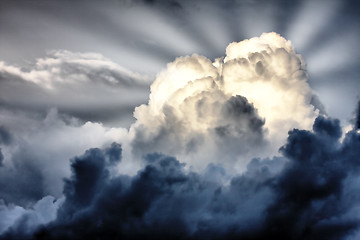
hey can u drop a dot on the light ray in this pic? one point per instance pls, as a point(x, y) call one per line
point(337, 54)
point(312, 17)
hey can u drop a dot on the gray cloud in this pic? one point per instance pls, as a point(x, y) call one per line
point(5, 136)
point(1, 158)
point(41, 144)
point(69, 81)
point(312, 189)
point(25, 220)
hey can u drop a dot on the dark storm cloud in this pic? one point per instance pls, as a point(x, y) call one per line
point(90, 175)
point(160, 202)
point(5, 136)
point(357, 117)
point(1, 158)
point(5, 139)
point(312, 189)
point(310, 193)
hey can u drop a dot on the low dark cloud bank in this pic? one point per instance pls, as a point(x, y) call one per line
point(311, 192)
point(5, 138)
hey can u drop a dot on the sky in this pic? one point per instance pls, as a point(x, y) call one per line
point(154, 119)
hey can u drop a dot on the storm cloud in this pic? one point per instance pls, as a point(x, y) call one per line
point(312, 190)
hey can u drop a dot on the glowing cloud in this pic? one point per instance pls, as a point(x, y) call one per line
point(253, 96)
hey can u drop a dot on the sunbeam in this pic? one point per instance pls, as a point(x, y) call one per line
point(335, 55)
point(311, 18)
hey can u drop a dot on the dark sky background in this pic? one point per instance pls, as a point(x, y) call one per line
point(80, 160)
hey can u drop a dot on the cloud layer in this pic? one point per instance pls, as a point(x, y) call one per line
point(85, 85)
point(312, 190)
point(233, 148)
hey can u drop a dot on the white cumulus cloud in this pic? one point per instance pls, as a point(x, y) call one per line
point(228, 110)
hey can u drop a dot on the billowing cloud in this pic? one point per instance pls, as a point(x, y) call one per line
point(312, 190)
point(246, 102)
